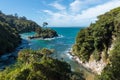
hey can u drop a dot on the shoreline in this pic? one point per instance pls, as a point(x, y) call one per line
point(95, 67)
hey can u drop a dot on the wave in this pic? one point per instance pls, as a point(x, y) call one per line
point(59, 36)
point(49, 39)
point(70, 56)
point(68, 53)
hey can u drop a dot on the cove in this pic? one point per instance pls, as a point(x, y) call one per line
point(61, 45)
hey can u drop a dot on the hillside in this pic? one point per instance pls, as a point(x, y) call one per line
point(98, 42)
point(21, 24)
point(12, 25)
point(37, 65)
point(98, 36)
point(9, 38)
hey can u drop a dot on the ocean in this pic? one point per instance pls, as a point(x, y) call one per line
point(61, 44)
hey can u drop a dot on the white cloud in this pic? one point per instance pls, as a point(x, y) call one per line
point(78, 5)
point(80, 19)
point(58, 6)
point(48, 11)
point(93, 12)
point(75, 6)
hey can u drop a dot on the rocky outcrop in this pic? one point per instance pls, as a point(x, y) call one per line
point(45, 33)
point(97, 41)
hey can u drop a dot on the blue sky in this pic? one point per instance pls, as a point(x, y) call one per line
point(59, 13)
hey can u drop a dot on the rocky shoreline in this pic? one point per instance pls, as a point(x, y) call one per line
point(93, 66)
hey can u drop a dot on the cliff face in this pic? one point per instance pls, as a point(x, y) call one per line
point(96, 42)
point(98, 37)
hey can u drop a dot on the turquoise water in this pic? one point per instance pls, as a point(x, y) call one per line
point(61, 44)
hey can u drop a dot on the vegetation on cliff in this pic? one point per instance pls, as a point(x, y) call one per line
point(97, 38)
point(112, 70)
point(9, 38)
point(36, 65)
point(21, 24)
point(12, 25)
point(44, 33)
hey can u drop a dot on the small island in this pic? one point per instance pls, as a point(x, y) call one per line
point(13, 25)
point(44, 33)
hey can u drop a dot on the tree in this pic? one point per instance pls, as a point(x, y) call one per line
point(38, 30)
point(46, 51)
point(45, 24)
point(16, 15)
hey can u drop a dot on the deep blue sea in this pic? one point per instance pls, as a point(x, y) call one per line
point(61, 44)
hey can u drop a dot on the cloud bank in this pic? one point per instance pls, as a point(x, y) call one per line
point(78, 13)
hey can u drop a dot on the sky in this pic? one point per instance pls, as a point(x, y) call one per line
point(59, 13)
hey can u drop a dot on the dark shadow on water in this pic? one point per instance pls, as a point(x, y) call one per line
point(10, 58)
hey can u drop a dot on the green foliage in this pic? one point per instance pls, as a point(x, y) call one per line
point(22, 75)
point(29, 56)
point(45, 24)
point(112, 70)
point(21, 24)
point(98, 36)
point(97, 55)
point(44, 33)
point(11, 26)
point(46, 51)
point(9, 38)
point(42, 69)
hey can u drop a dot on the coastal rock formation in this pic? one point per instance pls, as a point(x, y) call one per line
point(95, 44)
point(44, 33)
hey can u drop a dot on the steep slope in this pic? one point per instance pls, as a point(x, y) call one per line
point(9, 38)
point(112, 70)
point(97, 38)
point(96, 42)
